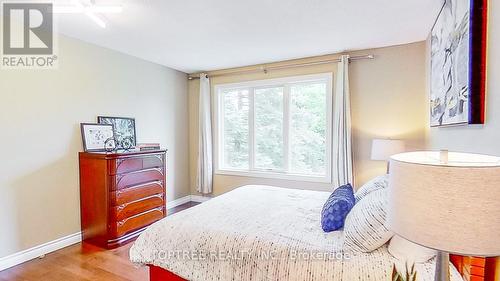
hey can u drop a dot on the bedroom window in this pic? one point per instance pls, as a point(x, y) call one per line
point(278, 128)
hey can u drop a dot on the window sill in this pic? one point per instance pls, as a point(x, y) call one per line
point(271, 175)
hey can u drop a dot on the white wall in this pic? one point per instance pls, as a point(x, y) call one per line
point(478, 138)
point(40, 112)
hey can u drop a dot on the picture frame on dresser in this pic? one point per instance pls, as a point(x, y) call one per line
point(94, 136)
point(123, 127)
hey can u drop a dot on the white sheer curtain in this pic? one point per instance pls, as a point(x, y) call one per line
point(342, 158)
point(205, 169)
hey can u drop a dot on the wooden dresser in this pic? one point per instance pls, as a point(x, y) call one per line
point(476, 268)
point(120, 195)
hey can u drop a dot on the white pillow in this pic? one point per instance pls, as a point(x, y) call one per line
point(405, 250)
point(365, 227)
point(373, 185)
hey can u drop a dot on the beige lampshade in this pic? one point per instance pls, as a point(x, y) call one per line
point(383, 149)
point(451, 206)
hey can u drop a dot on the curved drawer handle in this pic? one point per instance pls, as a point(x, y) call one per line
point(158, 195)
point(120, 161)
point(159, 157)
point(158, 169)
point(122, 222)
point(120, 177)
point(129, 187)
point(121, 191)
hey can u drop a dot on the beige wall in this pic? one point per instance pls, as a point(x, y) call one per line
point(388, 100)
point(40, 112)
point(478, 138)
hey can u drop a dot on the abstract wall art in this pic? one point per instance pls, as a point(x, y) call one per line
point(458, 63)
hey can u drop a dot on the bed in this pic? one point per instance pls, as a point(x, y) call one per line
point(259, 233)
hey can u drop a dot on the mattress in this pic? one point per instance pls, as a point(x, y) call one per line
point(260, 233)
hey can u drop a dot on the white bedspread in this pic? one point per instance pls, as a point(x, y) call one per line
point(260, 233)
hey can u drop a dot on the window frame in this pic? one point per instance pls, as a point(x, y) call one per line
point(286, 83)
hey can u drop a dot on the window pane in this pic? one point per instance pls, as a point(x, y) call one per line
point(308, 128)
point(236, 108)
point(269, 128)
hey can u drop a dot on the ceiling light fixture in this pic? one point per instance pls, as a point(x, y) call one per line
point(92, 11)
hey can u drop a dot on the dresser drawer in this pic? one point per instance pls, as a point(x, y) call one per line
point(132, 180)
point(138, 221)
point(133, 208)
point(137, 192)
point(132, 164)
point(121, 193)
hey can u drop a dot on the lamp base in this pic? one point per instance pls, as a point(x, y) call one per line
point(442, 267)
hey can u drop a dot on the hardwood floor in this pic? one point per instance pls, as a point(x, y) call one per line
point(182, 207)
point(83, 261)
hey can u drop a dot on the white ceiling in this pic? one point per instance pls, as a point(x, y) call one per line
point(194, 35)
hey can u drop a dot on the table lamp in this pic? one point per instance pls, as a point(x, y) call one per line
point(449, 202)
point(383, 149)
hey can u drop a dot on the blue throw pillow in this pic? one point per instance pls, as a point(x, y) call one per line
point(337, 207)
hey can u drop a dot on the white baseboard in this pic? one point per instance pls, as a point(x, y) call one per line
point(43, 249)
point(177, 202)
point(38, 251)
point(185, 199)
point(199, 198)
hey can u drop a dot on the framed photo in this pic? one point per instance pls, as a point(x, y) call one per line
point(94, 136)
point(458, 63)
point(123, 127)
